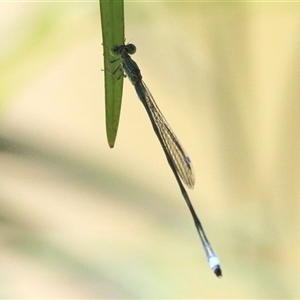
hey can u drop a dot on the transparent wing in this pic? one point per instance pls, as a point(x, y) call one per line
point(181, 159)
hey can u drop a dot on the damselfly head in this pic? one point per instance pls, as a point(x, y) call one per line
point(118, 49)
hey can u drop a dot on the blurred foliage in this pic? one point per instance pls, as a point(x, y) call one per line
point(81, 221)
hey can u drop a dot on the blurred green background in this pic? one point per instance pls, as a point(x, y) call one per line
point(81, 220)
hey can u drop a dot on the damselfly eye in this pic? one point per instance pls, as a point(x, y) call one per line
point(116, 50)
point(131, 49)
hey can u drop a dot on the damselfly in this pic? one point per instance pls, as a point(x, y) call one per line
point(177, 158)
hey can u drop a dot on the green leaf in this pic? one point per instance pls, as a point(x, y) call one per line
point(112, 22)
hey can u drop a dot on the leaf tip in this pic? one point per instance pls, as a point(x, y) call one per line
point(111, 144)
